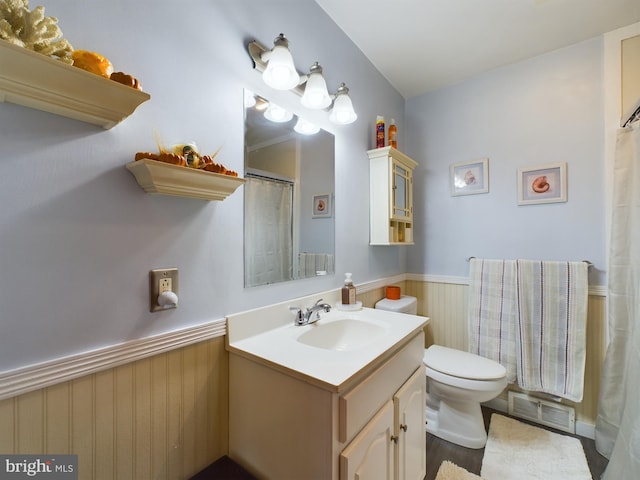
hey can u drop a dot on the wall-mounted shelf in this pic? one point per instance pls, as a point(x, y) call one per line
point(34, 80)
point(164, 178)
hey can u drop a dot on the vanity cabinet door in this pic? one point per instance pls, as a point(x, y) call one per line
point(371, 453)
point(409, 427)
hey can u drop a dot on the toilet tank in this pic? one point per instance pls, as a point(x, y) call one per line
point(405, 304)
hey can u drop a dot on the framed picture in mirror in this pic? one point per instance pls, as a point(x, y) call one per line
point(321, 205)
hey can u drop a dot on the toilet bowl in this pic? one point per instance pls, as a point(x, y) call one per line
point(457, 382)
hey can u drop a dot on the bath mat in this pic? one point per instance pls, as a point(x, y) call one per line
point(451, 471)
point(519, 451)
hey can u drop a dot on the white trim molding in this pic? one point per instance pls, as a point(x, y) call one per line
point(33, 377)
point(596, 290)
point(41, 375)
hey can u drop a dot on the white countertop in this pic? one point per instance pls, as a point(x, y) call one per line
point(331, 369)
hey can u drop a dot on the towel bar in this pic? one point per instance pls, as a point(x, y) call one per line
point(589, 264)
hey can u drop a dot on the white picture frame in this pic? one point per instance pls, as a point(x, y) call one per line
point(321, 206)
point(469, 178)
point(542, 184)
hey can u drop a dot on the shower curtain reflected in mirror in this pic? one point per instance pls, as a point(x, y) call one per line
point(269, 236)
point(618, 422)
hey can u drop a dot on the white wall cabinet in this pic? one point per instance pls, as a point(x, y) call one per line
point(391, 197)
point(281, 426)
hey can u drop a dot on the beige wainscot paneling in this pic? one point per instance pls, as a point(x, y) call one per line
point(163, 417)
point(446, 305)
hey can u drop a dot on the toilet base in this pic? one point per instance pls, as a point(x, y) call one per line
point(457, 422)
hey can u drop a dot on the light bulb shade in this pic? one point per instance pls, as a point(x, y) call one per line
point(277, 114)
point(342, 112)
point(316, 95)
point(305, 127)
point(249, 99)
point(280, 73)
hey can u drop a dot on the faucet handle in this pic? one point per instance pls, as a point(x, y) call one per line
point(297, 312)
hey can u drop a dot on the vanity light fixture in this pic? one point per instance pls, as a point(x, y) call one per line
point(342, 112)
point(277, 114)
point(249, 99)
point(315, 96)
point(305, 127)
point(279, 72)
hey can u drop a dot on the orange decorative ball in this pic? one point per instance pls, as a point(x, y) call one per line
point(92, 62)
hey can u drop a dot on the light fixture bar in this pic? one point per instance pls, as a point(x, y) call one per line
point(338, 104)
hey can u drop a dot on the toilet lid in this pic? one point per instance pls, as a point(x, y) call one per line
point(462, 364)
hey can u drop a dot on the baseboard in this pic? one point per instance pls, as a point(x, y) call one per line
point(583, 429)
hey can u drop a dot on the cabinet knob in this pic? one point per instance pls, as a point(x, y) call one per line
point(394, 439)
point(403, 428)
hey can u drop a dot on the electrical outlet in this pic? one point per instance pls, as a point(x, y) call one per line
point(162, 280)
point(165, 285)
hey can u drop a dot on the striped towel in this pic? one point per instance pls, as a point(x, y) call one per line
point(492, 311)
point(311, 263)
point(551, 327)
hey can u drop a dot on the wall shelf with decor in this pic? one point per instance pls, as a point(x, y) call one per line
point(391, 197)
point(37, 81)
point(167, 179)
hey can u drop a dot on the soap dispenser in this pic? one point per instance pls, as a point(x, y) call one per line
point(348, 291)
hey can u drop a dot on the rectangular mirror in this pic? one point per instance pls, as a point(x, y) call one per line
point(289, 228)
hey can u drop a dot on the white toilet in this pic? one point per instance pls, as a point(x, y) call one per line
point(457, 382)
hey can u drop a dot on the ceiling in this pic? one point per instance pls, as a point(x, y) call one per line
point(423, 45)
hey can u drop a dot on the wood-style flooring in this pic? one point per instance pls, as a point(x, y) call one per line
point(439, 450)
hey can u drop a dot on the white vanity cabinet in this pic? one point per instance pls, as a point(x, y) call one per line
point(287, 426)
point(391, 197)
point(392, 445)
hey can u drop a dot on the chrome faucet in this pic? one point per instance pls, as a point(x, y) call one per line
point(307, 317)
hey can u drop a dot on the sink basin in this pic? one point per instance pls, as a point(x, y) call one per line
point(341, 335)
point(328, 353)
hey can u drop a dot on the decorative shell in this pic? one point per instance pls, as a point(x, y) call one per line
point(32, 30)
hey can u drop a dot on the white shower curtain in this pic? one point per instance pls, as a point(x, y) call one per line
point(268, 237)
point(618, 421)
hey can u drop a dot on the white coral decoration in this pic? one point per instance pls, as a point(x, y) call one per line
point(32, 30)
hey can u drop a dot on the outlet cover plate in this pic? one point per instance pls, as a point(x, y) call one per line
point(154, 286)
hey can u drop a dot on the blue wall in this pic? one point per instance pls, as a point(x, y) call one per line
point(77, 234)
point(548, 109)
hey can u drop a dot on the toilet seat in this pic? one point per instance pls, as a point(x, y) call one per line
point(465, 383)
point(463, 365)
